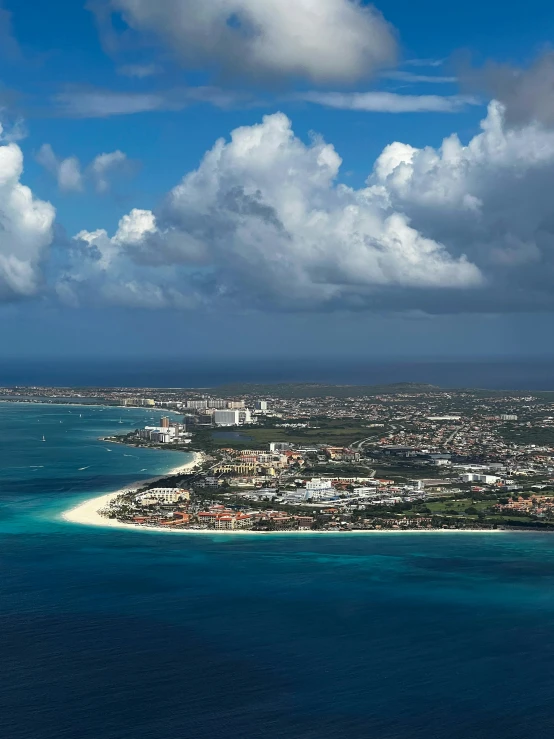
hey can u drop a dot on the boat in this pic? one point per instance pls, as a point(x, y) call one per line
point(43, 438)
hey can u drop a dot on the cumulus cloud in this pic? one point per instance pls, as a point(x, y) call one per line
point(99, 270)
point(320, 40)
point(104, 165)
point(388, 102)
point(68, 172)
point(263, 222)
point(25, 229)
point(489, 200)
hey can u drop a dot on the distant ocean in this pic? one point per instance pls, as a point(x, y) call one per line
point(111, 634)
point(509, 374)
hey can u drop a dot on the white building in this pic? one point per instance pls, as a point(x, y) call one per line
point(164, 495)
point(279, 446)
point(197, 404)
point(508, 417)
point(226, 418)
point(261, 405)
point(298, 496)
point(366, 491)
point(217, 404)
point(159, 434)
point(245, 416)
point(485, 479)
point(317, 488)
point(232, 417)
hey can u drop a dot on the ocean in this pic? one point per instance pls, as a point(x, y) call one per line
point(114, 634)
point(494, 374)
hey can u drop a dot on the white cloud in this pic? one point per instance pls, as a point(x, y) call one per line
point(66, 171)
point(25, 229)
point(102, 272)
point(105, 164)
point(490, 200)
point(388, 102)
point(321, 40)
point(265, 223)
point(105, 103)
point(99, 103)
point(15, 132)
point(402, 76)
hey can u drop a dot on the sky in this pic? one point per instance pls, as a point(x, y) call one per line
point(276, 178)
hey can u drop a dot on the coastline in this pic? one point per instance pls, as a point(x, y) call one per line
point(87, 513)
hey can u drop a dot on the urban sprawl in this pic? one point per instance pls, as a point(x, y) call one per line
point(312, 457)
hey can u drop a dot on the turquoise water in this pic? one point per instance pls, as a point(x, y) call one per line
point(39, 479)
point(114, 634)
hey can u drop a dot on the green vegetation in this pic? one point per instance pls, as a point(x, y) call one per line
point(260, 437)
point(526, 435)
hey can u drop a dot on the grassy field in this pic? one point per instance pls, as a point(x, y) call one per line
point(261, 437)
point(458, 507)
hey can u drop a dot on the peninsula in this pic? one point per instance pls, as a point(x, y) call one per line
point(345, 458)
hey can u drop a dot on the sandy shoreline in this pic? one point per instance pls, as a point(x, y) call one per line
point(87, 513)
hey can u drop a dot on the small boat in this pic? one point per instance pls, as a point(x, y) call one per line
point(43, 438)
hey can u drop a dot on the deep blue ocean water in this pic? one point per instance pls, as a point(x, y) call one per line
point(109, 634)
point(499, 374)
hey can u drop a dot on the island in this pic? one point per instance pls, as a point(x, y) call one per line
point(323, 458)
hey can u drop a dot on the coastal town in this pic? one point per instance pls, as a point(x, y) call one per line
point(337, 458)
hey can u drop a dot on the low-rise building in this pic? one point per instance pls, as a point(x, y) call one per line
point(164, 495)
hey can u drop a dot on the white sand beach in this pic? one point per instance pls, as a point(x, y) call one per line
point(88, 513)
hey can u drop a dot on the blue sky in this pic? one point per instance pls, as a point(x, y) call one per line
point(333, 220)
